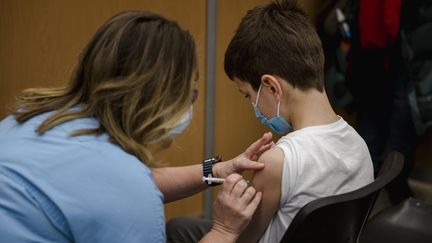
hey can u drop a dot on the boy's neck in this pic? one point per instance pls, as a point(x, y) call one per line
point(309, 108)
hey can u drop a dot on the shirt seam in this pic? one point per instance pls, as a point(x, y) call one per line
point(48, 207)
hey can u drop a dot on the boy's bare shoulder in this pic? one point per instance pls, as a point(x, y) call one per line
point(272, 156)
point(271, 175)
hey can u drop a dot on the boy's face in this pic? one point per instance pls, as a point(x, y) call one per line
point(266, 102)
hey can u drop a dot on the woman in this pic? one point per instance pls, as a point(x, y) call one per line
point(74, 160)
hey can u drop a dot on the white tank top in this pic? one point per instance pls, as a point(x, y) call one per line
point(319, 161)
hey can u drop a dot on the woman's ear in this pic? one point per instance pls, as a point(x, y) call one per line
point(273, 83)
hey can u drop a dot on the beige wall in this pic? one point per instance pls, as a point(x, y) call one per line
point(40, 41)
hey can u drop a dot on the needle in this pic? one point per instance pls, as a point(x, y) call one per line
point(215, 180)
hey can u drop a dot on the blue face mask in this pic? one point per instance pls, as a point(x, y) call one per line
point(181, 126)
point(278, 124)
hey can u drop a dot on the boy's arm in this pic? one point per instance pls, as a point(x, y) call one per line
point(267, 181)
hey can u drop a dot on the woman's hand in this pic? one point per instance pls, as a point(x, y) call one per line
point(246, 160)
point(233, 209)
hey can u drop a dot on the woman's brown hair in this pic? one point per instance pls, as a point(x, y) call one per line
point(134, 76)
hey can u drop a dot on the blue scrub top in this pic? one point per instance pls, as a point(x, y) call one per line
point(57, 188)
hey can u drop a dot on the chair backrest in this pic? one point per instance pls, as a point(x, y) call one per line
point(341, 218)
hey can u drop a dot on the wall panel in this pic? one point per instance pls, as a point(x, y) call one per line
point(40, 41)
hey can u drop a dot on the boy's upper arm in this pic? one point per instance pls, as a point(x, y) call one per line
point(267, 181)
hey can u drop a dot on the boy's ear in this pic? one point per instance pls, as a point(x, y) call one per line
point(273, 83)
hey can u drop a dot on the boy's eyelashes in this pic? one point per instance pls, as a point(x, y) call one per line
point(246, 95)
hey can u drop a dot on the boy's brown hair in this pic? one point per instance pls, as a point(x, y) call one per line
point(276, 39)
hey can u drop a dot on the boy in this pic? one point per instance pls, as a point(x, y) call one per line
point(276, 59)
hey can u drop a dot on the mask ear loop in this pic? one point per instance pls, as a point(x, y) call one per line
point(278, 106)
point(258, 93)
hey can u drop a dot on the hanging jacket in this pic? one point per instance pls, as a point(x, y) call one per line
point(378, 22)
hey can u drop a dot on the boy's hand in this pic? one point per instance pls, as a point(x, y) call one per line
point(246, 160)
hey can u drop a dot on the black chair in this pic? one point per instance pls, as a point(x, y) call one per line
point(409, 221)
point(341, 218)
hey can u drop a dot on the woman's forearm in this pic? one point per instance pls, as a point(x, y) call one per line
point(179, 182)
